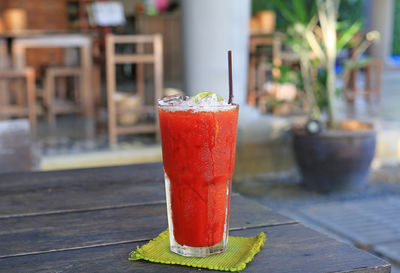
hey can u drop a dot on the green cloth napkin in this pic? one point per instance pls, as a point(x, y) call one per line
point(239, 252)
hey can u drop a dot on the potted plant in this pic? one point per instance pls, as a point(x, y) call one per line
point(331, 155)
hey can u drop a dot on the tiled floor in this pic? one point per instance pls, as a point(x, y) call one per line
point(385, 113)
point(370, 224)
point(366, 218)
point(69, 135)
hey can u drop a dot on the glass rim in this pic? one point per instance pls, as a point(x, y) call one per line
point(232, 105)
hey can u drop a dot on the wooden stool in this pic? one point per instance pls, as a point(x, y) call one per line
point(139, 58)
point(50, 94)
point(29, 107)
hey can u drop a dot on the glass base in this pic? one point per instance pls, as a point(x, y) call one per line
point(190, 251)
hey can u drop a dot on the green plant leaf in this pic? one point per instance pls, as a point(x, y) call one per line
point(285, 11)
point(300, 9)
point(345, 36)
point(313, 12)
point(274, 102)
point(357, 64)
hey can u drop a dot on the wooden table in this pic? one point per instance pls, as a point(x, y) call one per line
point(89, 221)
point(81, 41)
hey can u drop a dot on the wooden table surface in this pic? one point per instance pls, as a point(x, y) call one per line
point(90, 220)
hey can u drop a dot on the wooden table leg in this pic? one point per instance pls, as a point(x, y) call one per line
point(261, 79)
point(140, 72)
point(86, 89)
point(86, 85)
point(18, 56)
point(251, 97)
point(378, 78)
point(110, 73)
point(96, 86)
point(158, 77)
point(31, 96)
point(368, 84)
point(20, 99)
point(4, 97)
point(49, 96)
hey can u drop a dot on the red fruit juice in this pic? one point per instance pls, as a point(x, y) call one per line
point(199, 156)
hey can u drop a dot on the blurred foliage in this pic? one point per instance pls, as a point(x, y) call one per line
point(271, 102)
point(258, 5)
point(396, 34)
point(306, 36)
point(321, 96)
point(357, 64)
point(286, 75)
point(281, 22)
point(350, 10)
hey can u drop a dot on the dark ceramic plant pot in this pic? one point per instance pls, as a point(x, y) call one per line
point(334, 160)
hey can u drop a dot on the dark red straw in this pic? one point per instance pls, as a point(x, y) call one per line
point(230, 77)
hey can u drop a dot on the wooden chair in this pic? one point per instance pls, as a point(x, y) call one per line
point(258, 66)
point(17, 150)
point(372, 83)
point(139, 58)
point(24, 106)
point(55, 99)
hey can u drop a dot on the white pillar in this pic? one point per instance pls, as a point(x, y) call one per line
point(210, 29)
point(381, 19)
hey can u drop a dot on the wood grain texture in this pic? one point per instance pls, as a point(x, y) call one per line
point(93, 176)
point(43, 233)
point(289, 249)
point(85, 197)
point(43, 192)
point(89, 220)
point(89, 189)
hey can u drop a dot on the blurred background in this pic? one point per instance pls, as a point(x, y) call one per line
point(79, 80)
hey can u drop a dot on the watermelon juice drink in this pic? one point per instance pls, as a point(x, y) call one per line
point(198, 145)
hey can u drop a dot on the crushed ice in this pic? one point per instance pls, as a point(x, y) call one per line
point(173, 100)
point(183, 103)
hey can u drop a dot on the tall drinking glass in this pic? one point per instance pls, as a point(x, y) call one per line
point(198, 145)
